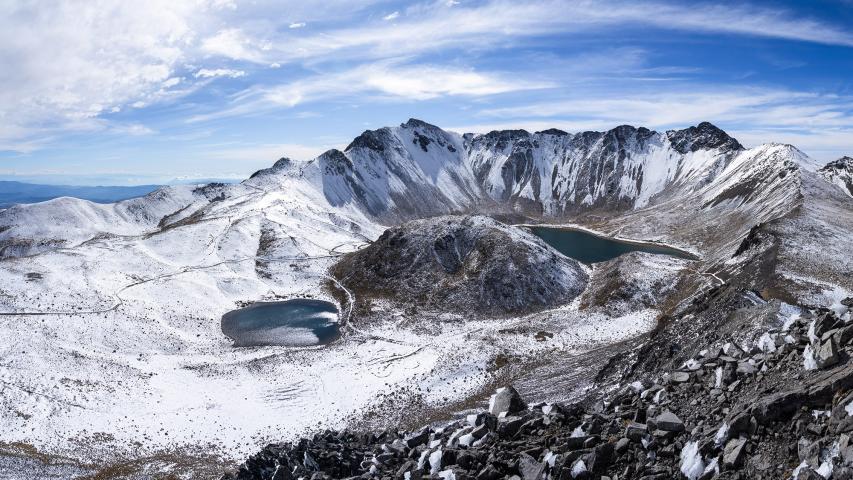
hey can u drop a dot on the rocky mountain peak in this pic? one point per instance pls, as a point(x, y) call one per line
point(553, 131)
point(283, 162)
point(417, 123)
point(375, 140)
point(705, 136)
point(840, 172)
point(335, 161)
point(501, 139)
point(626, 133)
point(843, 163)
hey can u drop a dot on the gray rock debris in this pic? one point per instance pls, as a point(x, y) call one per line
point(506, 401)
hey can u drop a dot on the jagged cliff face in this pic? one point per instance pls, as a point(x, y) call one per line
point(623, 168)
point(418, 169)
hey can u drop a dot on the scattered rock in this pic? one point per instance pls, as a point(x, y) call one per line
point(827, 354)
point(506, 401)
point(734, 452)
point(668, 422)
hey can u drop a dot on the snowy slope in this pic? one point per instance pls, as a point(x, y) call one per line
point(111, 324)
point(30, 228)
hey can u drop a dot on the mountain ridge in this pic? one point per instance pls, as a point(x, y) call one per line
point(417, 170)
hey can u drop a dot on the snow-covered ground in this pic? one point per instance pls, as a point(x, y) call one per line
point(114, 348)
point(156, 369)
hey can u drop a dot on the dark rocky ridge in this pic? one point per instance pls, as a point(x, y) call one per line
point(462, 263)
point(703, 136)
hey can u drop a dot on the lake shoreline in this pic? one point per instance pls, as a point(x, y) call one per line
point(689, 255)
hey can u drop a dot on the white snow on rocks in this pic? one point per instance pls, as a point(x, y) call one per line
point(578, 468)
point(692, 465)
point(809, 362)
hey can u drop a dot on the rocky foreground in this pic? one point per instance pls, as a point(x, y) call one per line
point(779, 408)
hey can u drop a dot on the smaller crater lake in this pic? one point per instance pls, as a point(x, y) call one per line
point(588, 248)
point(291, 323)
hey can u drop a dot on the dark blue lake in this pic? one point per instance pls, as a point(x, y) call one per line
point(588, 248)
point(292, 323)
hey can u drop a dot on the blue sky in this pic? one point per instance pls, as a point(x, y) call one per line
point(139, 92)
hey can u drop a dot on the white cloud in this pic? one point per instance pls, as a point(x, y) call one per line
point(233, 43)
point(501, 21)
point(389, 80)
point(67, 64)
point(133, 129)
point(219, 72)
point(267, 154)
point(819, 124)
point(756, 106)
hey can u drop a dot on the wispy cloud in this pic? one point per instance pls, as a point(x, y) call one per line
point(820, 124)
point(72, 67)
point(435, 26)
point(390, 79)
point(266, 153)
point(736, 105)
point(219, 72)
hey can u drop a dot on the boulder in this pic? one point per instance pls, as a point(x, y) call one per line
point(809, 474)
point(506, 401)
point(419, 438)
point(635, 431)
point(668, 422)
point(529, 468)
point(808, 452)
point(826, 322)
point(734, 453)
point(827, 354)
point(745, 368)
point(488, 473)
point(509, 426)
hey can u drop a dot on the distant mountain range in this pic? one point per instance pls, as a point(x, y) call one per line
point(12, 193)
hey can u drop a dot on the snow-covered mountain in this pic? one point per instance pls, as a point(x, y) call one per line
point(417, 170)
point(840, 172)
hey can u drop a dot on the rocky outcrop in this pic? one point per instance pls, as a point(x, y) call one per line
point(462, 263)
point(760, 411)
point(702, 137)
